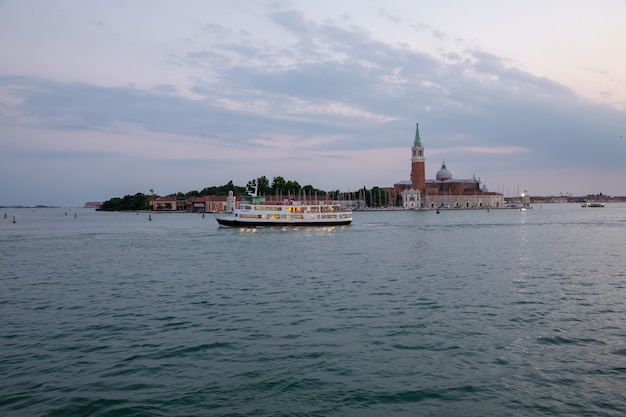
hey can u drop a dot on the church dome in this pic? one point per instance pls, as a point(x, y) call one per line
point(444, 174)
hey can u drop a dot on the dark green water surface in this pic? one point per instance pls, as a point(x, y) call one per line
point(462, 313)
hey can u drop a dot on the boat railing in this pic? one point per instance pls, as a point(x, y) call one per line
point(307, 204)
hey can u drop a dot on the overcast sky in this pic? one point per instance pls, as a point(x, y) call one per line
point(101, 99)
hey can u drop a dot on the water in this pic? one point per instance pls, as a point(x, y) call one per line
point(474, 313)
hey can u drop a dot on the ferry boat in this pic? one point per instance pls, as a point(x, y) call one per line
point(255, 211)
point(286, 213)
point(592, 204)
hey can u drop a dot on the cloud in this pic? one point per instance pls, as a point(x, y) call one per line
point(235, 102)
point(499, 150)
point(292, 20)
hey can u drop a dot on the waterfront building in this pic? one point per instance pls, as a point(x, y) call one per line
point(201, 204)
point(444, 191)
point(165, 203)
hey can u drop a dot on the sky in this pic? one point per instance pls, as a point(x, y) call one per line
point(104, 99)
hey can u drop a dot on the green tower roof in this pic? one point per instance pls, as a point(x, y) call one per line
point(417, 134)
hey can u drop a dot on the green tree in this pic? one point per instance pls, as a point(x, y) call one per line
point(293, 188)
point(224, 189)
point(310, 190)
point(379, 197)
point(279, 185)
point(135, 202)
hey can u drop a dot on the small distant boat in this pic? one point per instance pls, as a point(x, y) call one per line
point(525, 202)
point(592, 205)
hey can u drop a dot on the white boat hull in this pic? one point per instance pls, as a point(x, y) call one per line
point(231, 221)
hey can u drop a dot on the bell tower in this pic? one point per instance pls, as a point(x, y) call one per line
point(418, 168)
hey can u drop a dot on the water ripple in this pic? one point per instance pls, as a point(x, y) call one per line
point(403, 313)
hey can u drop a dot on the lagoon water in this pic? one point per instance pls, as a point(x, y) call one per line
point(472, 313)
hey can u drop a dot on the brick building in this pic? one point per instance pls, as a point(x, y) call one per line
point(444, 190)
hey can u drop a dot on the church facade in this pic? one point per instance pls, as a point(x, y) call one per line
point(444, 191)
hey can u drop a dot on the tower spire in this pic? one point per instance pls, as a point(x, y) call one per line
point(418, 175)
point(417, 134)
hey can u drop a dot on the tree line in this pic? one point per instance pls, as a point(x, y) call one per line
point(278, 186)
